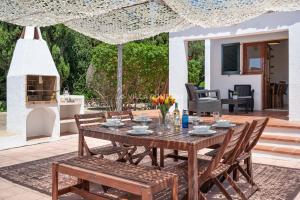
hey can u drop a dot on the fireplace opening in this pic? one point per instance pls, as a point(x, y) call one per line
point(40, 123)
point(41, 89)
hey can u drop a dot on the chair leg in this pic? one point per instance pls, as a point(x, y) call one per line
point(249, 166)
point(248, 178)
point(235, 187)
point(202, 196)
point(222, 189)
point(176, 154)
point(235, 174)
point(54, 182)
point(162, 157)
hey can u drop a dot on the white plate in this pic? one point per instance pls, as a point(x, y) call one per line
point(112, 125)
point(206, 133)
point(132, 132)
point(222, 126)
point(142, 120)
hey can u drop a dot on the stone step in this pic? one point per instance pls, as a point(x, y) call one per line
point(282, 139)
point(278, 149)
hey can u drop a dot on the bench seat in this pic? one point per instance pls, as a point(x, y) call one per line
point(141, 181)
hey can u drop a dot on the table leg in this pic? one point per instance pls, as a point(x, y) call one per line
point(192, 174)
point(80, 144)
point(236, 106)
point(162, 157)
point(154, 152)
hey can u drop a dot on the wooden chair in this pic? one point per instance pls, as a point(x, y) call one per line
point(209, 169)
point(131, 156)
point(252, 137)
point(96, 119)
point(124, 115)
point(124, 181)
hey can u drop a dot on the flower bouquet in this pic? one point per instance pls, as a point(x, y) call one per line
point(163, 103)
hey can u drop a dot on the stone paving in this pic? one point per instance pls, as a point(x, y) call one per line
point(11, 191)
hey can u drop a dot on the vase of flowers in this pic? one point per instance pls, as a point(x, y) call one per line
point(163, 103)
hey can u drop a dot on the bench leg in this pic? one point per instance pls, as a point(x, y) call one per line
point(54, 182)
point(175, 188)
point(147, 195)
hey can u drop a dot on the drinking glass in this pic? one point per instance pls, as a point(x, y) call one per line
point(196, 120)
point(117, 122)
point(216, 116)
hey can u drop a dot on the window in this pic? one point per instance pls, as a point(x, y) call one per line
point(231, 58)
point(254, 58)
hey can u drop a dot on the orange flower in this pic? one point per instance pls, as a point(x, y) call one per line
point(161, 99)
point(154, 101)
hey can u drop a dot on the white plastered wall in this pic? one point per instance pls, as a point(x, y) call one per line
point(225, 82)
point(283, 22)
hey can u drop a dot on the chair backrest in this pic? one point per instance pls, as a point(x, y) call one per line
point(191, 91)
point(125, 115)
point(281, 88)
point(243, 90)
point(253, 134)
point(233, 149)
point(215, 162)
point(89, 119)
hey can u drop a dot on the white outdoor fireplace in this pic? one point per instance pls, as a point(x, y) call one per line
point(33, 88)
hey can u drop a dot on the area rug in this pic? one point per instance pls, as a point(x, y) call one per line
point(276, 183)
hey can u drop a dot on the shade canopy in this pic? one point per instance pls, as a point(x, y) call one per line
point(120, 21)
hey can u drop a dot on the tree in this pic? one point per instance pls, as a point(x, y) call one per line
point(145, 71)
point(8, 37)
point(196, 62)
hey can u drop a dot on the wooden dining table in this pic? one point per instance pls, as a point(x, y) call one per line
point(164, 139)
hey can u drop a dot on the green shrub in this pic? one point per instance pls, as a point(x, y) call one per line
point(2, 106)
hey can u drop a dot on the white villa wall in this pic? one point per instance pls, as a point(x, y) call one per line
point(258, 28)
point(294, 72)
point(178, 71)
point(225, 82)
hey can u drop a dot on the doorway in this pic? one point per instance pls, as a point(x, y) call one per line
point(276, 75)
point(270, 59)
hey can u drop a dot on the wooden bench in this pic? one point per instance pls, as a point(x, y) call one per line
point(136, 181)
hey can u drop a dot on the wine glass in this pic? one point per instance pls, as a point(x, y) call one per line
point(216, 116)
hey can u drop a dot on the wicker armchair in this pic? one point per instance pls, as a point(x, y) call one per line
point(202, 101)
point(243, 91)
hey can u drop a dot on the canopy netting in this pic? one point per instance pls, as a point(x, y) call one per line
point(120, 21)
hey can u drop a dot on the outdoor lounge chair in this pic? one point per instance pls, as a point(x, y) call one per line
point(94, 120)
point(203, 101)
point(245, 92)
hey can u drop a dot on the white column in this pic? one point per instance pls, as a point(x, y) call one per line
point(119, 102)
point(294, 72)
point(178, 71)
point(207, 63)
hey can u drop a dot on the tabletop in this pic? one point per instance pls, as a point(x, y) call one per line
point(169, 138)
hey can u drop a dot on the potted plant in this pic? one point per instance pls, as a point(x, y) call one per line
point(235, 95)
